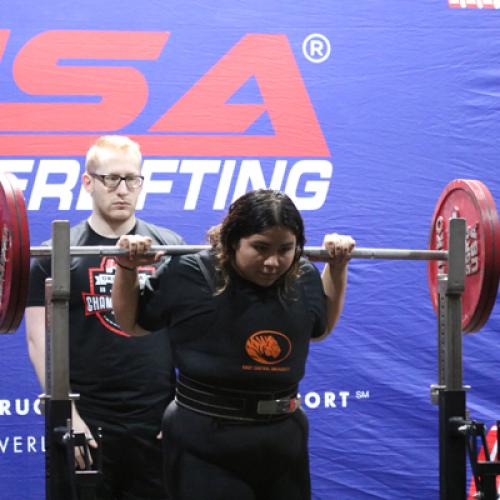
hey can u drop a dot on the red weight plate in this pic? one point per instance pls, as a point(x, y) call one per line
point(491, 284)
point(9, 252)
point(471, 200)
point(24, 258)
point(14, 247)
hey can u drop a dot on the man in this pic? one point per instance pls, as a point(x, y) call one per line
point(124, 383)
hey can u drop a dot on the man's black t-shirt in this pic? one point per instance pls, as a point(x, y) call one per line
point(115, 375)
point(247, 337)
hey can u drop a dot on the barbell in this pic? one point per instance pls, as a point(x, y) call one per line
point(468, 199)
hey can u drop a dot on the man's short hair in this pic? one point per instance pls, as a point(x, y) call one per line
point(112, 143)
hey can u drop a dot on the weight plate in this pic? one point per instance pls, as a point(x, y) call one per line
point(472, 201)
point(14, 254)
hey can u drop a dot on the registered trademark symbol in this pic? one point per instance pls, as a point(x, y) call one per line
point(316, 48)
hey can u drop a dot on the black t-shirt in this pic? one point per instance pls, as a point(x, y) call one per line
point(115, 374)
point(247, 337)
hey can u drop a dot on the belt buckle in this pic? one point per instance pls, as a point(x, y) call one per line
point(278, 406)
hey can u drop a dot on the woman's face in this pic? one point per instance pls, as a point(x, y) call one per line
point(263, 258)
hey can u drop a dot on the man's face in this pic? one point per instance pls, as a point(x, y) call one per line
point(114, 205)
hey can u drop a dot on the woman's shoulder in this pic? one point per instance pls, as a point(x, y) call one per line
point(191, 261)
point(192, 266)
point(309, 276)
point(307, 267)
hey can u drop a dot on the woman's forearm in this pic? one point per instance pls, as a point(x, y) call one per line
point(125, 297)
point(334, 285)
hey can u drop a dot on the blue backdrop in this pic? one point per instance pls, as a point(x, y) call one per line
point(362, 111)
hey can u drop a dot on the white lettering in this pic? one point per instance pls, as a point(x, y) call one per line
point(4, 257)
point(5, 407)
point(475, 4)
point(330, 400)
point(224, 184)
point(319, 189)
point(220, 182)
point(20, 407)
point(24, 409)
point(197, 169)
point(63, 191)
point(250, 177)
point(18, 166)
point(439, 232)
point(312, 400)
point(472, 262)
point(30, 442)
point(22, 444)
point(3, 444)
point(84, 200)
point(96, 303)
point(17, 444)
point(343, 396)
point(104, 279)
point(151, 167)
point(327, 399)
point(317, 47)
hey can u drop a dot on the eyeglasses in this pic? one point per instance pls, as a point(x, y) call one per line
point(112, 181)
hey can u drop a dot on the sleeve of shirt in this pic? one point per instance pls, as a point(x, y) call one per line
point(315, 296)
point(155, 299)
point(39, 271)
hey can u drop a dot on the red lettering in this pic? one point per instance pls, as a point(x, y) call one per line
point(121, 92)
point(4, 36)
point(269, 59)
point(201, 123)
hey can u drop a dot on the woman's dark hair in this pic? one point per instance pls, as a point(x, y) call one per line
point(255, 212)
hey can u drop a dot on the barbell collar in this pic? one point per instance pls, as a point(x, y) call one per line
point(318, 253)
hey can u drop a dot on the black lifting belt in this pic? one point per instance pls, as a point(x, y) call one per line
point(234, 404)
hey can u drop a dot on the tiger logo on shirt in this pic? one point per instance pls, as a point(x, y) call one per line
point(268, 347)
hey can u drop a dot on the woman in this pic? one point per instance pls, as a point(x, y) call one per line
point(240, 319)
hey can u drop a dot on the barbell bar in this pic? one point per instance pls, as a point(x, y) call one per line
point(468, 199)
point(318, 253)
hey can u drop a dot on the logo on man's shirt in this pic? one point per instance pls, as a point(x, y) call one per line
point(98, 300)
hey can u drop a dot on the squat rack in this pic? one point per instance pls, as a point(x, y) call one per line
point(449, 392)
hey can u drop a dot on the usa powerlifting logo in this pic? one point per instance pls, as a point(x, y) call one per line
point(247, 122)
point(97, 302)
point(474, 4)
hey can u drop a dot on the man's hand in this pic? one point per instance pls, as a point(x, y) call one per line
point(80, 427)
